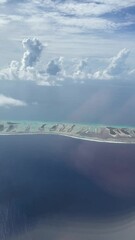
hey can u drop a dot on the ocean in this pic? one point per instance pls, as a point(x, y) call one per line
point(59, 188)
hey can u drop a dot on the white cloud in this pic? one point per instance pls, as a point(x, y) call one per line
point(54, 66)
point(82, 14)
point(3, 1)
point(83, 8)
point(10, 102)
point(132, 73)
point(33, 49)
point(62, 23)
point(117, 64)
point(25, 69)
point(3, 20)
point(56, 72)
point(48, 14)
point(116, 67)
point(7, 19)
point(80, 70)
point(87, 24)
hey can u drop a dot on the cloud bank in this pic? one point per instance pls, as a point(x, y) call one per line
point(56, 72)
point(10, 102)
point(71, 27)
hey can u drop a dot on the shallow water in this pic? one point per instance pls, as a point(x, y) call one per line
point(53, 187)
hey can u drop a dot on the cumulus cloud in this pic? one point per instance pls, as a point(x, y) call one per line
point(56, 72)
point(11, 72)
point(116, 67)
point(33, 49)
point(25, 69)
point(10, 102)
point(118, 63)
point(54, 66)
point(80, 71)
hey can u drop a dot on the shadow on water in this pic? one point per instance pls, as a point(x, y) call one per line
point(42, 177)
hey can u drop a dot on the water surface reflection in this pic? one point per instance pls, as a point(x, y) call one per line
point(53, 187)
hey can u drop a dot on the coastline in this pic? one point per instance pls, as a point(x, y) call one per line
point(85, 132)
point(69, 136)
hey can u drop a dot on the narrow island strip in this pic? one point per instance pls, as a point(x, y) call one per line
point(88, 132)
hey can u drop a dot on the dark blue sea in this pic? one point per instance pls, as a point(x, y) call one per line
point(58, 188)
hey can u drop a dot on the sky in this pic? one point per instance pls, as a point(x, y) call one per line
point(65, 47)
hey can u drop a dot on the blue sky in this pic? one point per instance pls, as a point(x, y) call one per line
point(96, 30)
point(60, 43)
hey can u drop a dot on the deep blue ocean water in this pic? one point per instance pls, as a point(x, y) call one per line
point(54, 187)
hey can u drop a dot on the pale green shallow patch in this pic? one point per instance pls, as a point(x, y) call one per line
point(75, 130)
